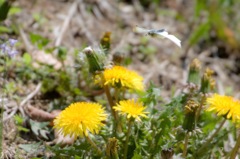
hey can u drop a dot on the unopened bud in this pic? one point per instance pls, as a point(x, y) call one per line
point(93, 60)
point(207, 82)
point(190, 110)
point(112, 148)
point(194, 72)
point(167, 153)
point(118, 58)
point(106, 42)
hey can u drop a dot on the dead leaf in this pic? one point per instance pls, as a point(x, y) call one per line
point(45, 58)
point(38, 114)
point(63, 140)
point(55, 114)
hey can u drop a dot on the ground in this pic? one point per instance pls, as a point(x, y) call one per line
point(78, 24)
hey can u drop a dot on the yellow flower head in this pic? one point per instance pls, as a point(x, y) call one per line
point(131, 108)
point(80, 118)
point(226, 106)
point(119, 76)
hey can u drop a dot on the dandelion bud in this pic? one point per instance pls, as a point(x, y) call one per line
point(112, 148)
point(207, 82)
point(105, 42)
point(117, 58)
point(194, 72)
point(93, 60)
point(212, 84)
point(167, 153)
point(190, 110)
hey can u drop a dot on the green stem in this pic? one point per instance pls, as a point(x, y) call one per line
point(127, 139)
point(118, 122)
point(116, 127)
point(110, 101)
point(202, 148)
point(116, 95)
point(93, 145)
point(200, 108)
point(184, 154)
point(236, 148)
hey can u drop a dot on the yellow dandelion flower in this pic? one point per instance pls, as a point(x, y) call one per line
point(226, 106)
point(131, 108)
point(80, 118)
point(119, 76)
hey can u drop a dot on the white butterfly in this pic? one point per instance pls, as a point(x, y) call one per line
point(161, 32)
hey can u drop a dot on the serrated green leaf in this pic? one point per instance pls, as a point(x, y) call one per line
point(18, 119)
point(77, 157)
point(27, 59)
point(37, 127)
point(30, 148)
point(4, 9)
point(199, 7)
point(136, 156)
point(4, 29)
point(62, 53)
point(20, 128)
point(38, 40)
point(14, 10)
point(44, 133)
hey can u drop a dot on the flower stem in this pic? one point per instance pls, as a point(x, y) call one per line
point(117, 127)
point(184, 154)
point(236, 148)
point(110, 101)
point(200, 107)
point(202, 148)
point(93, 145)
point(118, 122)
point(116, 95)
point(127, 139)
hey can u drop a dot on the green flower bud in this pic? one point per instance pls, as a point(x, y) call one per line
point(94, 63)
point(190, 110)
point(207, 82)
point(106, 42)
point(118, 58)
point(194, 72)
point(112, 148)
point(167, 153)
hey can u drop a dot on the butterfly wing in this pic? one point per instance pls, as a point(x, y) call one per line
point(170, 37)
point(137, 29)
point(161, 32)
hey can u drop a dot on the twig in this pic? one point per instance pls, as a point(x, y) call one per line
point(82, 24)
point(28, 45)
point(110, 10)
point(97, 13)
point(30, 96)
point(10, 115)
point(65, 25)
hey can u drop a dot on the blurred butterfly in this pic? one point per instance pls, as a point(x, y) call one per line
point(161, 32)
